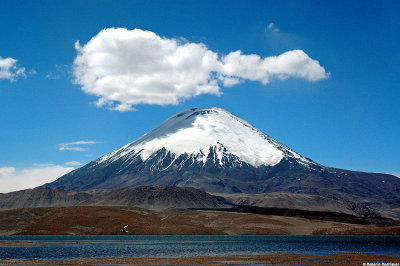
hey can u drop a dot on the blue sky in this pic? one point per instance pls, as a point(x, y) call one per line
point(348, 117)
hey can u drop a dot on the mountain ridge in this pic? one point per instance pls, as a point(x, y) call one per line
point(215, 151)
point(144, 197)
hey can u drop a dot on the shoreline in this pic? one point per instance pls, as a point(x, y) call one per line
point(343, 258)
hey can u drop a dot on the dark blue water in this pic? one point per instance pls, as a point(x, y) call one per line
point(68, 247)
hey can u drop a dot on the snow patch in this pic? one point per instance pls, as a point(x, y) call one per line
point(196, 132)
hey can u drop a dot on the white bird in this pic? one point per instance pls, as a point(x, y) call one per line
point(124, 229)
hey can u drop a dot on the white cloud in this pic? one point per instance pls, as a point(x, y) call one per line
point(395, 174)
point(73, 163)
point(271, 26)
point(12, 179)
point(43, 164)
point(33, 72)
point(124, 68)
point(295, 64)
point(75, 146)
point(10, 70)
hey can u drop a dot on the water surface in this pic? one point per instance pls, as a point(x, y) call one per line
point(69, 247)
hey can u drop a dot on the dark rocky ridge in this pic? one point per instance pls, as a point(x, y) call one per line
point(145, 197)
point(300, 202)
point(177, 197)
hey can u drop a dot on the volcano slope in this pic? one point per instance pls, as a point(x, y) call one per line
point(215, 151)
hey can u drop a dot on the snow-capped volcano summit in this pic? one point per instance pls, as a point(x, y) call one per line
point(199, 132)
point(213, 150)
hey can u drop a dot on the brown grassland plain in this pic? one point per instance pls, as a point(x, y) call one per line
point(108, 220)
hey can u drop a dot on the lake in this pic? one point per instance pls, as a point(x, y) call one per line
point(69, 247)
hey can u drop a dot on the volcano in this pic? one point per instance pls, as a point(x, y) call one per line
point(215, 151)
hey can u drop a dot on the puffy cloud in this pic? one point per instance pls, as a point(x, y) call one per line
point(10, 70)
point(75, 146)
point(124, 68)
point(73, 163)
point(295, 63)
point(12, 179)
point(133, 67)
